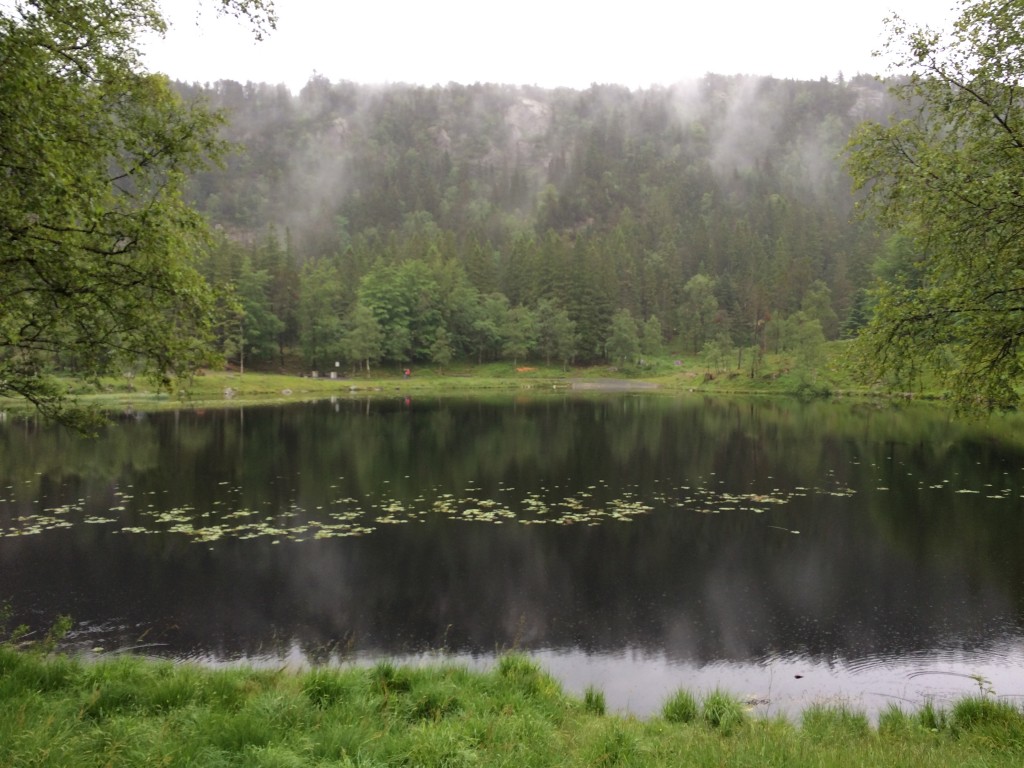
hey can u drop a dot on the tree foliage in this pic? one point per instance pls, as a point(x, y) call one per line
point(259, 326)
point(948, 176)
point(453, 214)
point(321, 308)
point(556, 332)
point(519, 336)
point(364, 340)
point(594, 200)
point(97, 261)
point(623, 344)
point(651, 342)
point(698, 309)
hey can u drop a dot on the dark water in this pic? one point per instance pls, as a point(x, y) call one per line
point(639, 543)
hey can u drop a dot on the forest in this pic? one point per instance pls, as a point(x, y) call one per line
point(400, 225)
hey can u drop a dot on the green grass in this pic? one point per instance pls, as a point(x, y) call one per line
point(669, 373)
point(681, 707)
point(58, 711)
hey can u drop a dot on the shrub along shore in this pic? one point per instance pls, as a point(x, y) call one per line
point(128, 711)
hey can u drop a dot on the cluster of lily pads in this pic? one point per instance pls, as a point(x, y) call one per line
point(347, 516)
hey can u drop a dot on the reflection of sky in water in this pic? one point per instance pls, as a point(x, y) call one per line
point(639, 683)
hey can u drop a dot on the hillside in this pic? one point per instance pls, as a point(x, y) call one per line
point(406, 223)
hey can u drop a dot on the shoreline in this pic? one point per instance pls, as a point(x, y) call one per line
point(61, 711)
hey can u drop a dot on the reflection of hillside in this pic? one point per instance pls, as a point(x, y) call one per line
point(889, 572)
point(698, 589)
point(966, 515)
point(33, 451)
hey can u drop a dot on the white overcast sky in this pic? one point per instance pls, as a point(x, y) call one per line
point(549, 43)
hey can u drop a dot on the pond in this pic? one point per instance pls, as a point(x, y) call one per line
point(787, 553)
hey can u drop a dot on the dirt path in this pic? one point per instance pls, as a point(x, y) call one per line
point(612, 385)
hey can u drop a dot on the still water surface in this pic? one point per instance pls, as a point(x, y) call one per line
point(787, 553)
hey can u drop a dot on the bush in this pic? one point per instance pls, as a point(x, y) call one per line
point(931, 718)
point(723, 712)
point(985, 716)
point(324, 688)
point(593, 701)
point(523, 674)
point(680, 708)
point(389, 679)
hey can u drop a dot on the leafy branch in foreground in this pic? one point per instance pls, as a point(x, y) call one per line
point(97, 246)
point(948, 174)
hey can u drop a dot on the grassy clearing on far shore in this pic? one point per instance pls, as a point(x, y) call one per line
point(775, 375)
point(126, 711)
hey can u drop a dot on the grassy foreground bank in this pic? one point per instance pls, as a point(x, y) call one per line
point(56, 711)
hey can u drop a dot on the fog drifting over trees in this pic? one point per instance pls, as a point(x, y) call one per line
point(598, 200)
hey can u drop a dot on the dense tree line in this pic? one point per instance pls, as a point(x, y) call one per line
point(410, 224)
point(401, 224)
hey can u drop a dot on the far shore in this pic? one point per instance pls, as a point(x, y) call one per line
point(775, 375)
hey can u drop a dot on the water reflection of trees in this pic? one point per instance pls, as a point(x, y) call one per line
point(882, 571)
